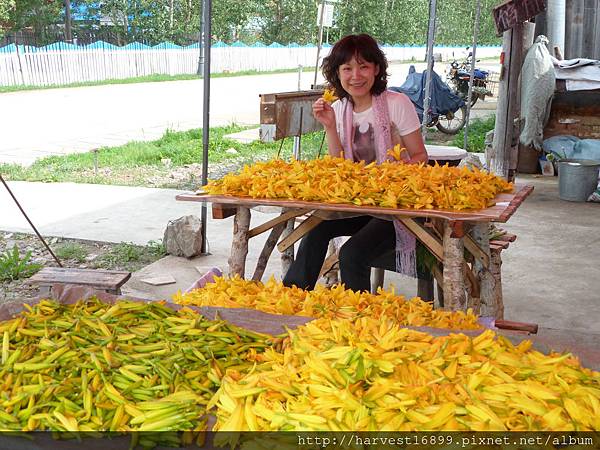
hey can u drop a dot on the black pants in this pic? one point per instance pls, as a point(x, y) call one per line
point(370, 238)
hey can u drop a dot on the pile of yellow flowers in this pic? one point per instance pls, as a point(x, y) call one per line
point(371, 375)
point(389, 185)
point(129, 366)
point(336, 302)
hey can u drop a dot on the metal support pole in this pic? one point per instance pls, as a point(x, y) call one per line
point(200, 69)
point(320, 40)
point(555, 16)
point(206, 32)
point(473, 59)
point(30, 222)
point(430, 42)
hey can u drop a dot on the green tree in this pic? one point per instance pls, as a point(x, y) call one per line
point(6, 8)
point(35, 15)
point(286, 21)
point(231, 19)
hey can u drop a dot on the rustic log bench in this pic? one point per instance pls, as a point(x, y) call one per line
point(103, 280)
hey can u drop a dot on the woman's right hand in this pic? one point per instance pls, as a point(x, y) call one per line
point(324, 113)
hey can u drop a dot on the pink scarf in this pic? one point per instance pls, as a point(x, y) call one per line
point(405, 241)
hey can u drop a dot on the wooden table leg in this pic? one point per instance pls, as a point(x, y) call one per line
point(287, 256)
point(488, 295)
point(454, 281)
point(265, 254)
point(496, 281)
point(239, 244)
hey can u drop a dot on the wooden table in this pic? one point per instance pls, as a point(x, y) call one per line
point(446, 234)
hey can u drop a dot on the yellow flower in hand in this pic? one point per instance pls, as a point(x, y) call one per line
point(329, 96)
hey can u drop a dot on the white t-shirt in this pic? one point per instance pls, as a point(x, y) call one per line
point(403, 118)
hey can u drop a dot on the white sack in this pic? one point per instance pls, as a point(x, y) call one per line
point(537, 88)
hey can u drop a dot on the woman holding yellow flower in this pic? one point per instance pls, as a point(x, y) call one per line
point(364, 123)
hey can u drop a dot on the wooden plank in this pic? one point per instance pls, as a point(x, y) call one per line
point(475, 250)
point(102, 279)
point(502, 244)
point(300, 231)
point(513, 12)
point(531, 328)
point(430, 241)
point(506, 237)
point(220, 211)
point(519, 197)
point(284, 217)
point(328, 264)
point(498, 213)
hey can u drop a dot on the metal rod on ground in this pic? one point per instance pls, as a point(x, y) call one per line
point(30, 222)
point(472, 78)
point(320, 40)
point(430, 40)
point(206, 31)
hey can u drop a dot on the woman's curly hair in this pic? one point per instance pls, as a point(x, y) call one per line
point(363, 47)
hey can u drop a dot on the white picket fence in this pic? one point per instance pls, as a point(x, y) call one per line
point(61, 63)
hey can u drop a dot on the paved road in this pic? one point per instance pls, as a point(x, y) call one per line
point(61, 121)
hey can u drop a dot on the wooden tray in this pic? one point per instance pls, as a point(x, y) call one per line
point(506, 205)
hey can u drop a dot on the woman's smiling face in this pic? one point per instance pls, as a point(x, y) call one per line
point(357, 76)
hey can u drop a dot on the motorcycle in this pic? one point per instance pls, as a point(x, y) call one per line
point(458, 77)
point(447, 111)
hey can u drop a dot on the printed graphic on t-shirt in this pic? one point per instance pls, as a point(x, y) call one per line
point(363, 142)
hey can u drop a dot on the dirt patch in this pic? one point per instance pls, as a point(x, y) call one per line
point(72, 253)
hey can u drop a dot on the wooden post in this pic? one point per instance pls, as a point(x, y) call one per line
point(239, 244)
point(591, 39)
point(496, 272)
point(503, 159)
point(555, 19)
point(574, 29)
point(454, 282)
point(489, 291)
point(528, 36)
point(287, 256)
